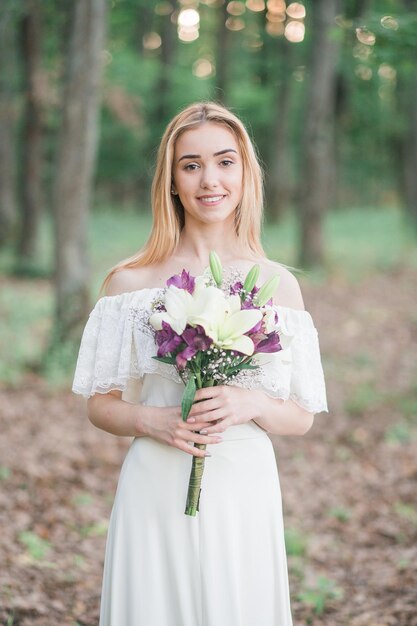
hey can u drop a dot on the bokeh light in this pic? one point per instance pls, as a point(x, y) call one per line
point(188, 18)
point(203, 68)
point(387, 72)
point(235, 23)
point(255, 5)
point(275, 29)
point(236, 8)
point(294, 31)
point(389, 22)
point(363, 72)
point(276, 6)
point(365, 36)
point(151, 41)
point(296, 10)
point(164, 8)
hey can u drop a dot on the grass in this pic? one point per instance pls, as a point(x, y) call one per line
point(358, 242)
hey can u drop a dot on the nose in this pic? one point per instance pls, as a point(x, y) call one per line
point(209, 177)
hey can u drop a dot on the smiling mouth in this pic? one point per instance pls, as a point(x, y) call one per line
point(211, 199)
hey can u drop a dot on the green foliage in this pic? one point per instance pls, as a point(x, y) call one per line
point(363, 398)
point(318, 597)
point(341, 513)
point(399, 433)
point(295, 542)
point(4, 472)
point(36, 546)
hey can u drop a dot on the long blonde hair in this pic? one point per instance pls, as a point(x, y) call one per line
point(167, 209)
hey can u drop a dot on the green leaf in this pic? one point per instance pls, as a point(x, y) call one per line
point(165, 359)
point(188, 397)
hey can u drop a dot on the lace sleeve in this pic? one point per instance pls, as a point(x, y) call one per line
point(307, 384)
point(296, 372)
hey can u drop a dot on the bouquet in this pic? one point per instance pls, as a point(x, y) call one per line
point(210, 336)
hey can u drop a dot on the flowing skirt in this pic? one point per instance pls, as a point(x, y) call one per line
point(226, 566)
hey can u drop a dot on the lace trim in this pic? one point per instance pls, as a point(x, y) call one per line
point(118, 344)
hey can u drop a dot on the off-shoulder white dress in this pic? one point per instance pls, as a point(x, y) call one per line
point(226, 566)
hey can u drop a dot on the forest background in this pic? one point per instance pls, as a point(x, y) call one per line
point(328, 92)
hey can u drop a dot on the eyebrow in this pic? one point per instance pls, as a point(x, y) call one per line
point(198, 156)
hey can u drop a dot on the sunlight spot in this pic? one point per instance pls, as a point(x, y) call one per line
point(275, 29)
point(236, 8)
point(164, 8)
point(203, 68)
point(389, 22)
point(365, 36)
point(151, 41)
point(255, 5)
point(296, 10)
point(364, 72)
point(387, 72)
point(276, 6)
point(235, 23)
point(188, 18)
point(294, 31)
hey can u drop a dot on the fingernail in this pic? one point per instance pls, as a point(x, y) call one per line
point(203, 432)
point(191, 419)
point(208, 454)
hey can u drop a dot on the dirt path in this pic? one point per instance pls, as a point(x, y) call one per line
point(349, 486)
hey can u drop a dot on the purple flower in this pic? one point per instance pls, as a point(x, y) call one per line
point(270, 343)
point(196, 340)
point(248, 301)
point(167, 340)
point(184, 356)
point(236, 288)
point(182, 281)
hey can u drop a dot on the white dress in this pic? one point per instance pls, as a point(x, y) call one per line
point(226, 566)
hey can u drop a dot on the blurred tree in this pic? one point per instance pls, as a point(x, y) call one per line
point(75, 166)
point(223, 47)
point(317, 167)
point(279, 184)
point(409, 151)
point(7, 119)
point(31, 153)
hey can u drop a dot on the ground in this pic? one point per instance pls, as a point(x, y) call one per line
point(349, 485)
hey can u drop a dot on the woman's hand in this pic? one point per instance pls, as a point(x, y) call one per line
point(166, 425)
point(223, 406)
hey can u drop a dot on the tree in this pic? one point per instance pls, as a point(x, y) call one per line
point(31, 172)
point(316, 163)
point(7, 121)
point(75, 165)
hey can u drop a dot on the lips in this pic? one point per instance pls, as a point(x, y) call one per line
point(214, 199)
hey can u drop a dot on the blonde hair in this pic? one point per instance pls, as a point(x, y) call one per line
point(167, 209)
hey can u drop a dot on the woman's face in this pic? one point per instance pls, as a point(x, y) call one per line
point(208, 173)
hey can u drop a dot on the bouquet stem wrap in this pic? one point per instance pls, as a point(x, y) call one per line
point(197, 468)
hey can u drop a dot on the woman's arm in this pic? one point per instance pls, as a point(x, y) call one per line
point(226, 406)
point(118, 417)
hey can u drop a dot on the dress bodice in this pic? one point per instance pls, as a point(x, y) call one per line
point(118, 346)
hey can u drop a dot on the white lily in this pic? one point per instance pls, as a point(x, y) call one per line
point(183, 308)
point(227, 326)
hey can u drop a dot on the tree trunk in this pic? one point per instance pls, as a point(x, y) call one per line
point(31, 173)
point(410, 155)
point(278, 183)
point(314, 197)
point(75, 166)
point(409, 147)
point(223, 48)
point(7, 122)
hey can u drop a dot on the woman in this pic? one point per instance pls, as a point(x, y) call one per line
point(227, 566)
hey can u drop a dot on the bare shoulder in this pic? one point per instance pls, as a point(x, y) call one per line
point(288, 293)
point(126, 280)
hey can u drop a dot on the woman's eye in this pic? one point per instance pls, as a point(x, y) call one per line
point(192, 166)
point(227, 161)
